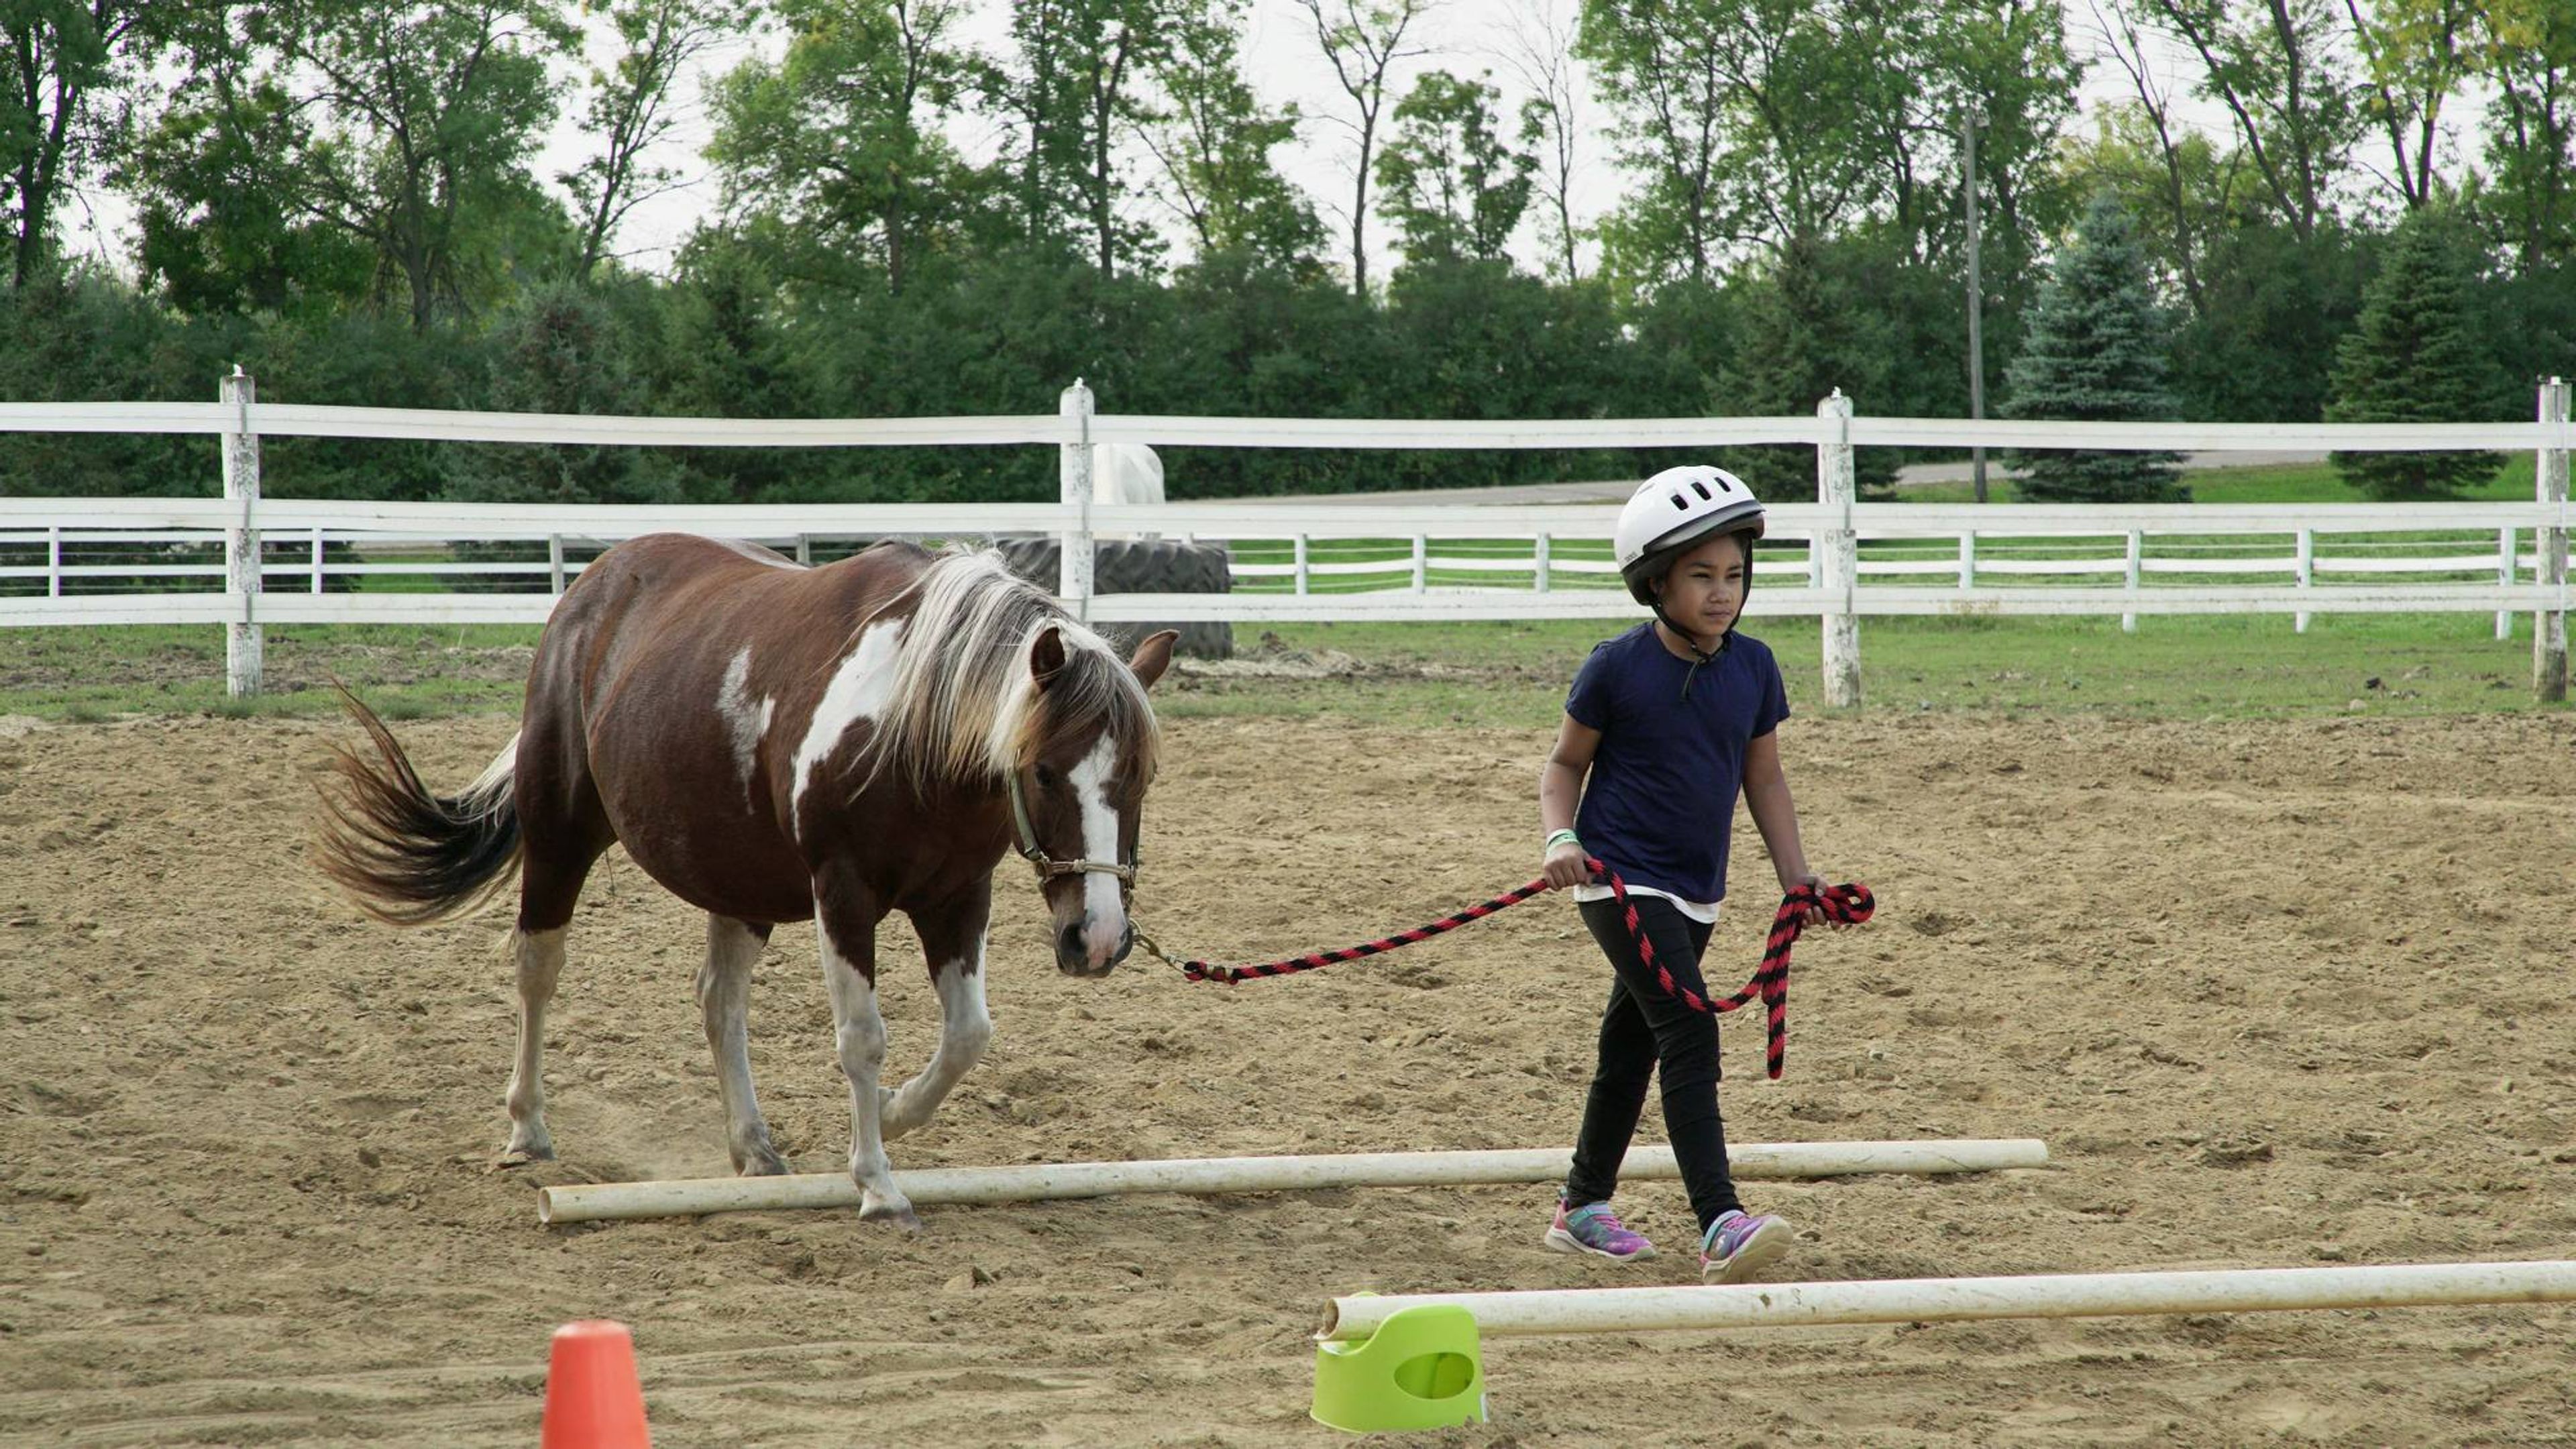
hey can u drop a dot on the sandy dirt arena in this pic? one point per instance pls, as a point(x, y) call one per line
point(2275, 994)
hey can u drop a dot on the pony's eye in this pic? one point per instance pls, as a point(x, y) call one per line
point(1047, 777)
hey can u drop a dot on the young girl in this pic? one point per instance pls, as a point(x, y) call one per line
point(1669, 721)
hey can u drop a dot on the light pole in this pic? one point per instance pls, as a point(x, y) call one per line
point(1968, 128)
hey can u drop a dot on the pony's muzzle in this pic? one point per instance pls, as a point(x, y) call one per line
point(1074, 953)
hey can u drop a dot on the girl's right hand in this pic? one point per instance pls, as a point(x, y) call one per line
point(1566, 866)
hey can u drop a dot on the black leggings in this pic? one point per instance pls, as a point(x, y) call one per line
point(1645, 1032)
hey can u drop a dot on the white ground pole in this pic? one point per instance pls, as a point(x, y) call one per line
point(243, 645)
point(604, 1201)
point(1953, 1300)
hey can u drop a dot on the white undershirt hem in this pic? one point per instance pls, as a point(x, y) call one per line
point(1704, 912)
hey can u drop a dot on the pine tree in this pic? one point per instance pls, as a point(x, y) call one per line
point(2095, 351)
point(2410, 360)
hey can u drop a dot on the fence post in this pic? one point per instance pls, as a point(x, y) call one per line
point(2307, 575)
point(1836, 488)
point(317, 558)
point(2549, 624)
point(555, 564)
point(1073, 568)
point(242, 641)
point(1968, 559)
point(1421, 562)
point(1301, 564)
point(54, 562)
point(2507, 566)
point(1540, 562)
point(2137, 567)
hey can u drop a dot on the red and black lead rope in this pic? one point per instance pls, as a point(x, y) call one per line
point(1843, 904)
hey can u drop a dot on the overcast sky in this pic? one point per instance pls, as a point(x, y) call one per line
point(1285, 64)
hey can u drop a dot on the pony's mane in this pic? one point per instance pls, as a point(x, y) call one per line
point(964, 710)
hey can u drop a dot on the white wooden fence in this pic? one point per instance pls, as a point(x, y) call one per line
point(1321, 560)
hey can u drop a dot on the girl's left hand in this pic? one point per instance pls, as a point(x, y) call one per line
point(1815, 915)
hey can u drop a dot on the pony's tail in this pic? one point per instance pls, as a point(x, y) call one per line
point(406, 856)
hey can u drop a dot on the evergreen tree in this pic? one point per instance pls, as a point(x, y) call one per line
point(2094, 350)
point(2410, 359)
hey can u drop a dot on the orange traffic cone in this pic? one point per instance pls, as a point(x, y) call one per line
point(593, 1399)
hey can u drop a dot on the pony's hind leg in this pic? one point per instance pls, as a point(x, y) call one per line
point(953, 940)
point(724, 1000)
point(537, 957)
point(564, 831)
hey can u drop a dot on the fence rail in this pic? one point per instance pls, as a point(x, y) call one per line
point(299, 561)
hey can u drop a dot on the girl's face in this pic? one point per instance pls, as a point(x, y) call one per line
point(1704, 589)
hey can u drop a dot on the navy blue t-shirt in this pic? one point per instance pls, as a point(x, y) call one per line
point(1659, 804)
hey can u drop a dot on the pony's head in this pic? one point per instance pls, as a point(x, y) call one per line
point(1081, 763)
point(998, 690)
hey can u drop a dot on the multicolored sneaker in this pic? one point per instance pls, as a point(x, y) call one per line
point(1594, 1229)
point(1739, 1244)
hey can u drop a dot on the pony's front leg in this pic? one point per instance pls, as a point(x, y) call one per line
point(952, 937)
point(846, 918)
point(724, 1002)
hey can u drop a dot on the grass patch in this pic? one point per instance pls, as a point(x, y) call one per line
point(1509, 673)
point(1514, 674)
point(405, 671)
point(2264, 483)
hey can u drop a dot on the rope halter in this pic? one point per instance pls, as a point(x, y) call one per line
point(1024, 839)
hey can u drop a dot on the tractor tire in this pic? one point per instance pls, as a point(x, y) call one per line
point(1140, 566)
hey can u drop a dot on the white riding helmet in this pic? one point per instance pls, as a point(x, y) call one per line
point(1674, 510)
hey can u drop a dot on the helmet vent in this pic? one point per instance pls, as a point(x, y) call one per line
point(1699, 488)
point(1681, 503)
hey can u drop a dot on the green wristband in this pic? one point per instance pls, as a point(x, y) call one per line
point(1561, 837)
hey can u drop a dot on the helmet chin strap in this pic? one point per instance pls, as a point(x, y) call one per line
point(1690, 641)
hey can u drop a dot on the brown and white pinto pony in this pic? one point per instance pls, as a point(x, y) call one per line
point(771, 743)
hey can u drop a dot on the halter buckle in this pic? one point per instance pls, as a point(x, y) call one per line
point(1024, 839)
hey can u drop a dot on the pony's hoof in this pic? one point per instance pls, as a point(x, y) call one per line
point(902, 1219)
point(764, 1163)
point(524, 1156)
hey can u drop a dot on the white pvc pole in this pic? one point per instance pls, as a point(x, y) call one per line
point(595, 1202)
point(1951, 1300)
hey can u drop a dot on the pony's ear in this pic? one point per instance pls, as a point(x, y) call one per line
point(1153, 656)
point(1046, 656)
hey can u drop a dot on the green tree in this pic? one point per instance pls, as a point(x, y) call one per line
point(1214, 138)
point(833, 156)
point(2184, 193)
point(2415, 56)
point(214, 182)
point(1552, 127)
point(2275, 68)
point(630, 112)
point(1449, 182)
point(563, 349)
point(1363, 40)
point(2094, 349)
point(1852, 312)
point(68, 62)
point(406, 127)
point(2272, 306)
point(2411, 359)
point(1075, 89)
point(2527, 49)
